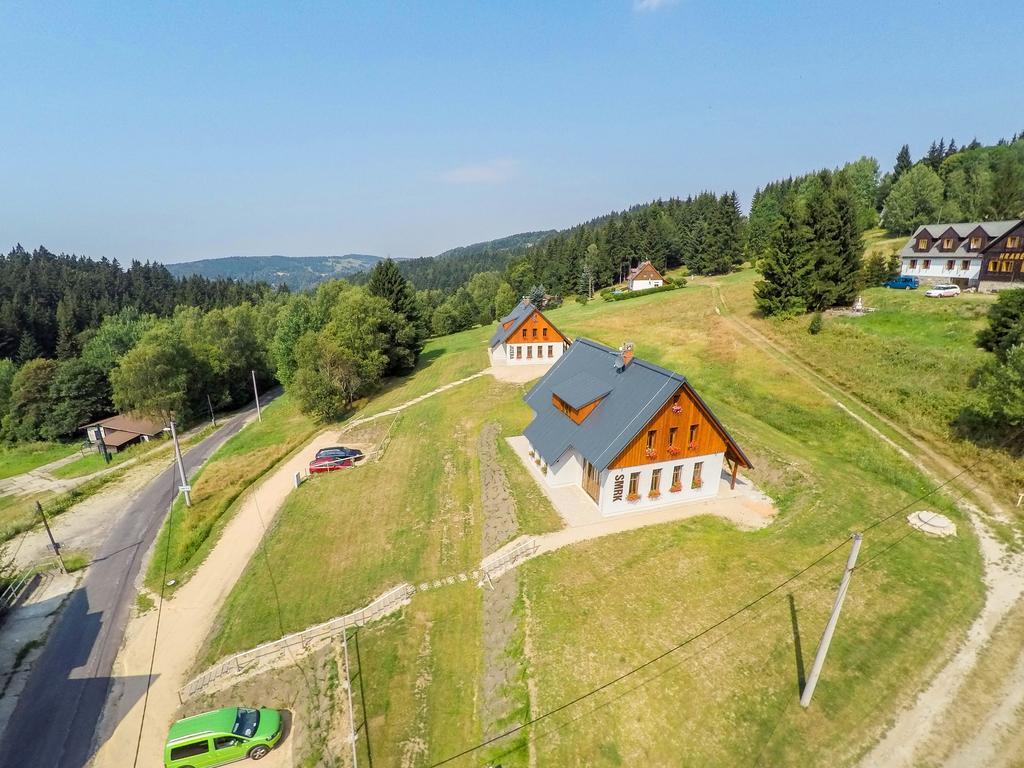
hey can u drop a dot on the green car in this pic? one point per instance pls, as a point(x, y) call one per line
point(221, 737)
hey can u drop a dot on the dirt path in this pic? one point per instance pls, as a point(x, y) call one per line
point(186, 620)
point(909, 735)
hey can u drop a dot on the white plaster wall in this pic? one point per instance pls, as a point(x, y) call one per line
point(710, 474)
point(640, 285)
point(567, 470)
point(509, 351)
point(937, 269)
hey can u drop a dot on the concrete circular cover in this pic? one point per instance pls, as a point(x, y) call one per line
point(932, 523)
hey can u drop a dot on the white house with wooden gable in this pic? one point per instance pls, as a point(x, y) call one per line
point(631, 434)
point(969, 254)
point(644, 276)
point(525, 337)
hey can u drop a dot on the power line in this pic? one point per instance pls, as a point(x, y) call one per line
point(720, 622)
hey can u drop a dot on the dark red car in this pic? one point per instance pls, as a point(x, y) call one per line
point(329, 464)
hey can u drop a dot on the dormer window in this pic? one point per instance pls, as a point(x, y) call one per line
point(975, 243)
point(922, 243)
point(947, 244)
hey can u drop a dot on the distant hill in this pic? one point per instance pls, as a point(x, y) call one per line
point(446, 270)
point(450, 269)
point(297, 272)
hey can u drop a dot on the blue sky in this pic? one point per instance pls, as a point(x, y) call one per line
point(184, 131)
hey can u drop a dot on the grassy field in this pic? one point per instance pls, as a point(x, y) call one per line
point(412, 516)
point(92, 461)
point(444, 359)
point(912, 359)
point(24, 457)
point(594, 611)
point(232, 469)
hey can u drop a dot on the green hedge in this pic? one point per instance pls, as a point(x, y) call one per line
point(608, 295)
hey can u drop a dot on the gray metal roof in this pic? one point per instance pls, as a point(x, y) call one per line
point(634, 396)
point(993, 229)
point(519, 313)
point(582, 389)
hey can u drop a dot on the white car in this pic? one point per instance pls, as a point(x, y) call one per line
point(942, 291)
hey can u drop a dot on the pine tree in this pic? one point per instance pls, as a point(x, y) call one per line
point(388, 283)
point(28, 349)
point(785, 265)
point(903, 162)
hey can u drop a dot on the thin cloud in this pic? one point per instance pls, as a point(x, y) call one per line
point(491, 172)
point(651, 5)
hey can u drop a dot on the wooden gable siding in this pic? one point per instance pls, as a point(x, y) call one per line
point(535, 320)
point(949, 234)
point(576, 414)
point(709, 439)
point(648, 272)
point(999, 261)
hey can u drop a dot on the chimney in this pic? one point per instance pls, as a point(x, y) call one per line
point(625, 355)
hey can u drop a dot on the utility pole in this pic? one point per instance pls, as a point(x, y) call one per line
point(53, 543)
point(210, 403)
point(257, 393)
point(830, 628)
point(185, 489)
point(348, 690)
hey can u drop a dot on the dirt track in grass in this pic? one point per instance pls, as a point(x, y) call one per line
point(911, 737)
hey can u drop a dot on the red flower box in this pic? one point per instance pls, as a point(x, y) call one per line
point(674, 450)
point(676, 488)
point(633, 497)
point(654, 494)
point(677, 409)
point(651, 453)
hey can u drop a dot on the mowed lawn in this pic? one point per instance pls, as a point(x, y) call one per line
point(444, 359)
point(593, 612)
point(232, 469)
point(414, 516)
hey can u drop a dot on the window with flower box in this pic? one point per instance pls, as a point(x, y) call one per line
point(697, 481)
point(656, 482)
point(677, 478)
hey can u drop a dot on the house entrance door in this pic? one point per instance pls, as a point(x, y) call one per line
point(591, 480)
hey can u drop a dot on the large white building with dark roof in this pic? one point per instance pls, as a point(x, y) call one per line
point(986, 255)
point(631, 434)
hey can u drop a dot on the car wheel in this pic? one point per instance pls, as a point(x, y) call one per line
point(258, 753)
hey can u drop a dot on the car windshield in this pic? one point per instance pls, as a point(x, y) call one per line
point(246, 723)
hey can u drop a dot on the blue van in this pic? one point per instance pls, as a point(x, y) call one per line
point(906, 282)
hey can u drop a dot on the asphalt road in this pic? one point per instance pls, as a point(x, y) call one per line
point(58, 712)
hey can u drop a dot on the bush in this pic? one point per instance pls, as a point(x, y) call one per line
point(814, 327)
point(607, 294)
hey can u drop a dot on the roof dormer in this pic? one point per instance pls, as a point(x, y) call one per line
point(949, 240)
point(923, 240)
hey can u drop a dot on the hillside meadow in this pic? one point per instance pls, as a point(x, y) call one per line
point(912, 359)
point(590, 613)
